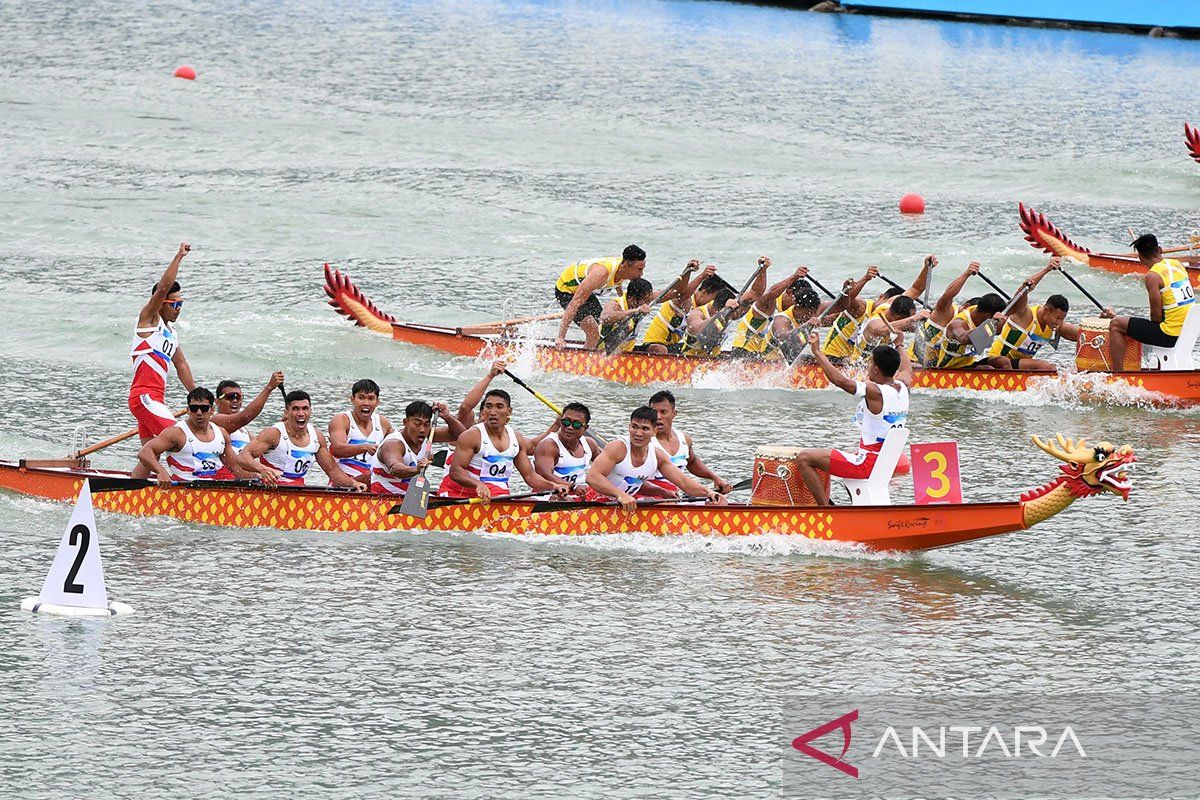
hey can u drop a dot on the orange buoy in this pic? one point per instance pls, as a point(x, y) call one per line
point(912, 204)
point(903, 466)
point(189, 74)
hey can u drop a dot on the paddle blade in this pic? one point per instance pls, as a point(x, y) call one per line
point(983, 336)
point(439, 458)
point(416, 499)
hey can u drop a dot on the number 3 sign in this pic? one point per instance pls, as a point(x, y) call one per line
point(935, 473)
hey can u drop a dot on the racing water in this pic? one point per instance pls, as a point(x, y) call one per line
point(452, 156)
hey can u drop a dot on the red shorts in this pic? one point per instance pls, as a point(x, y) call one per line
point(452, 488)
point(856, 466)
point(153, 417)
point(223, 474)
point(665, 485)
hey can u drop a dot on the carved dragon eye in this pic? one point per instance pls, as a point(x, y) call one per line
point(1102, 454)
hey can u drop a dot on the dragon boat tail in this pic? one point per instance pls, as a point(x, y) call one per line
point(1086, 471)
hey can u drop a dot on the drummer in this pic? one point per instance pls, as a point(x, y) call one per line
point(1029, 327)
point(1171, 297)
point(883, 405)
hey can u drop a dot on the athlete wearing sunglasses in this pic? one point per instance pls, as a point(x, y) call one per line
point(565, 453)
point(236, 418)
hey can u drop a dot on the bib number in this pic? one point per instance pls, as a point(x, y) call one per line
point(495, 470)
point(300, 467)
point(168, 348)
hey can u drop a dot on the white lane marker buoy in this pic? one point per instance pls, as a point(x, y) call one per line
point(75, 585)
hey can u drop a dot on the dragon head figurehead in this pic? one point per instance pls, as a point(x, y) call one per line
point(1091, 469)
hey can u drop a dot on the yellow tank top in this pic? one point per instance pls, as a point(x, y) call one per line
point(620, 329)
point(843, 334)
point(862, 344)
point(573, 275)
point(667, 327)
point(1177, 295)
point(1014, 341)
point(953, 354)
point(691, 348)
point(753, 331)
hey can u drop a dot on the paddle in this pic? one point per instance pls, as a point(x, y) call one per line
point(992, 284)
point(620, 334)
point(714, 330)
point(104, 483)
point(1078, 286)
point(416, 498)
point(467, 501)
point(109, 442)
point(550, 405)
point(574, 505)
point(501, 324)
point(983, 336)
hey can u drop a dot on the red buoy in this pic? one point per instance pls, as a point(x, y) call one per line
point(188, 74)
point(912, 204)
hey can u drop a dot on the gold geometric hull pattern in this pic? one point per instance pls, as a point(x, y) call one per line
point(890, 528)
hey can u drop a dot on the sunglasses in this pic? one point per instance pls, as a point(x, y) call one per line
point(175, 304)
point(573, 424)
point(198, 408)
point(232, 396)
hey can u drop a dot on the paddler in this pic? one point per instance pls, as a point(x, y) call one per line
point(196, 448)
point(405, 452)
point(155, 348)
point(1171, 297)
point(291, 446)
point(233, 417)
point(713, 297)
point(883, 405)
point(627, 463)
point(943, 341)
point(1028, 327)
point(576, 290)
point(898, 313)
point(839, 341)
point(565, 452)
point(619, 317)
point(354, 435)
point(679, 447)
point(753, 333)
point(668, 329)
point(486, 454)
point(470, 410)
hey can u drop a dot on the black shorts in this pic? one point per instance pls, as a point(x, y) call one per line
point(1150, 333)
point(590, 308)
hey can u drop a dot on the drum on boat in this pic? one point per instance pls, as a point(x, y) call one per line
point(1091, 350)
point(777, 481)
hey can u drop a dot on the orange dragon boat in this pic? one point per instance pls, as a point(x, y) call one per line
point(1152, 386)
point(1087, 471)
point(1042, 234)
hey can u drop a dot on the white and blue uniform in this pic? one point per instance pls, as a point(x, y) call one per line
point(894, 414)
point(572, 469)
point(495, 467)
point(197, 460)
point(680, 458)
point(360, 465)
point(291, 459)
point(382, 480)
point(629, 477)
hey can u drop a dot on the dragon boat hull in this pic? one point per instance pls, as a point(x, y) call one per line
point(883, 528)
point(1159, 388)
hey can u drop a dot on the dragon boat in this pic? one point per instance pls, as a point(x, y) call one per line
point(1152, 386)
point(1045, 236)
point(1087, 471)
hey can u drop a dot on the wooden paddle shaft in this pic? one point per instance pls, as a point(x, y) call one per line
point(1077, 285)
point(98, 446)
point(498, 325)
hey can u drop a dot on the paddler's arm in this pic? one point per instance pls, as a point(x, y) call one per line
point(612, 312)
point(466, 409)
point(854, 304)
point(467, 446)
point(943, 309)
point(1070, 331)
point(1020, 309)
point(536, 441)
point(1154, 287)
point(918, 287)
point(267, 439)
point(171, 439)
point(905, 372)
point(183, 369)
point(337, 476)
point(451, 430)
point(391, 455)
point(250, 411)
point(339, 435)
point(536, 481)
point(689, 485)
point(243, 471)
point(597, 474)
point(682, 294)
point(835, 375)
point(545, 456)
point(149, 313)
point(766, 303)
point(597, 276)
point(697, 467)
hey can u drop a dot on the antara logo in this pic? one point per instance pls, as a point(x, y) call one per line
point(801, 743)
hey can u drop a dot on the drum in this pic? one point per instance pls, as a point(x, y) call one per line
point(777, 481)
point(1091, 351)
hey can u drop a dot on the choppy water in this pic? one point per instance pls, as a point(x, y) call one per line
point(452, 156)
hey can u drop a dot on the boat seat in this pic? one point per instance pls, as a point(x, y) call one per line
point(873, 491)
point(1179, 357)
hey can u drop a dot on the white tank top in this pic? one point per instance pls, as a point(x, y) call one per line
point(360, 464)
point(196, 460)
point(384, 482)
point(291, 459)
point(491, 465)
point(629, 478)
point(894, 414)
point(572, 469)
point(681, 456)
point(239, 439)
point(152, 358)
